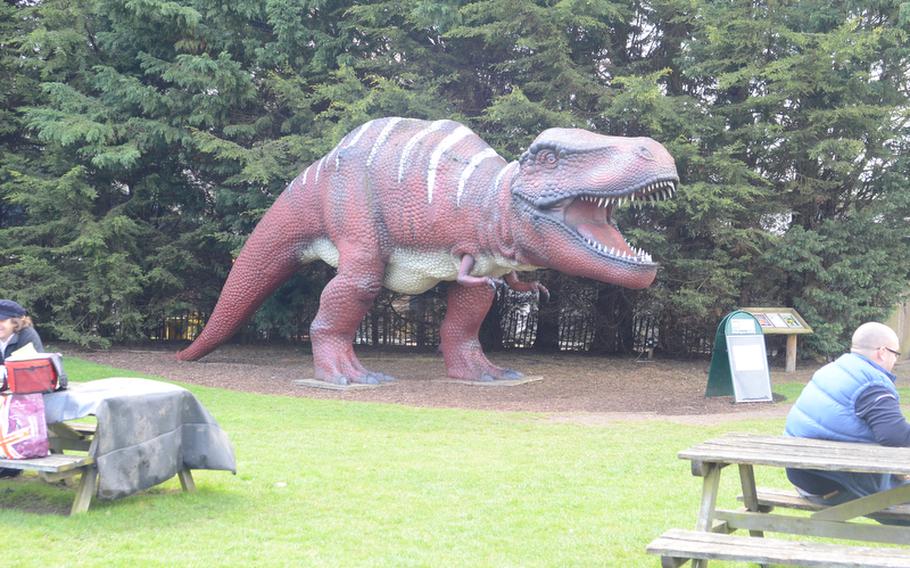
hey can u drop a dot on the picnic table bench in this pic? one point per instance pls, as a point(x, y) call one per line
point(66, 467)
point(712, 538)
point(145, 432)
point(61, 467)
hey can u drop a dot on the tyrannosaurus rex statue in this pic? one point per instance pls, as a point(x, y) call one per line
point(406, 203)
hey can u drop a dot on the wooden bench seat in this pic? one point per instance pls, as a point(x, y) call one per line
point(61, 467)
point(87, 428)
point(677, 546)
point(58, 466)
point(770, 498)
point(71, 436)
point(54, 463)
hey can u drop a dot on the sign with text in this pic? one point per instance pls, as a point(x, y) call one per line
point(779, 320)
point(782, 321)
point(739, 362)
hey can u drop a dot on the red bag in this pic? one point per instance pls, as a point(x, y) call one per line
point(31, 376)
point(23, 428)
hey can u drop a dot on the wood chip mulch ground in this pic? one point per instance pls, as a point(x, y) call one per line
point(574, 387)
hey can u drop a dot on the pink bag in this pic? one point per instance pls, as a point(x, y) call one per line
point(23, 429)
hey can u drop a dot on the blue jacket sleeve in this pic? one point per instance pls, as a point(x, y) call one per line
point(881, 411)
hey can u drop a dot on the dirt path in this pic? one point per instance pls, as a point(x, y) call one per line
point(574, 388)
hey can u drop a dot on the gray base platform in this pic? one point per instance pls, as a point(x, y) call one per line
point(501, 383)
point(317, 384)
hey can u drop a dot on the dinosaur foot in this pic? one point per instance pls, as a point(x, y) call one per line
point(360, 377)
point(504, 375)
point(484, 373)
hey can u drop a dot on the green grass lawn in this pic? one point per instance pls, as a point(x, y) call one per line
point(327, 483)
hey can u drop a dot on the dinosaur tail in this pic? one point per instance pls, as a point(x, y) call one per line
point(269, 257)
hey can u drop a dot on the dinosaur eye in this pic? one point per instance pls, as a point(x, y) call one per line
point(547, 158)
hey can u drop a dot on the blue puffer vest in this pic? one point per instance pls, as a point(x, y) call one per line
point(826, 407)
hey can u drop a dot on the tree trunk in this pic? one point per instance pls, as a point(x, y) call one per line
point(613, 332)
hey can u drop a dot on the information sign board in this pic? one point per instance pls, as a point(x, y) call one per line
point(739, 362)
point(779, 320)
point(784, 321)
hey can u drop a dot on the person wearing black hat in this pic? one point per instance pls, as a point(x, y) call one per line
point(16, 330)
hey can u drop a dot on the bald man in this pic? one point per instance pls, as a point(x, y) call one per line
point(852, 399)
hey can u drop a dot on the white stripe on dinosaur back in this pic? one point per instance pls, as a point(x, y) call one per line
point(435, 125)
point(446, 143)
point(380, 140)
point(360, 132)
point(305, 173)
point(318, 169)
point(469, 169)
point(499, 177)
point(333, 155)
point(341, 145)
point(328, 157)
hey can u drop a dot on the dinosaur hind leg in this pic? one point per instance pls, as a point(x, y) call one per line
point(465, 309)
point(344, 302)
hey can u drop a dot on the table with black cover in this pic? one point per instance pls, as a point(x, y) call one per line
point(147, 432)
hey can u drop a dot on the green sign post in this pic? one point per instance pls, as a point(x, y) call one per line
point(739, 362)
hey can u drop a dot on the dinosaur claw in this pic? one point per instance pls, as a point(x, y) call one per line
point(375, 378)
point(383, 378)
point(542, 291)
point(369, 379)
point(510, 375)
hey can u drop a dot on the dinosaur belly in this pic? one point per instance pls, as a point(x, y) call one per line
point(413, 272)
point(322, 249)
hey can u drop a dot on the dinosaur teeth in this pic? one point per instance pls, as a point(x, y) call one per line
point(636, 254)
point(657, 191)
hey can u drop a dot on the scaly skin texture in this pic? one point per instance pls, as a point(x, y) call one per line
point(406, 204)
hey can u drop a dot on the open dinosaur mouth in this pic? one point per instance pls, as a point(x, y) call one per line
point(590, 216)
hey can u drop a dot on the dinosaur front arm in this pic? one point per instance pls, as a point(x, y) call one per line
point(532, 286)
point(465, 279)
point(464, 275)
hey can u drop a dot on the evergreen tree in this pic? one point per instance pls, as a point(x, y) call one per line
point(812, 95)
point(142, 140)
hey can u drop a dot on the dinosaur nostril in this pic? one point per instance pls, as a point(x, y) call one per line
point(645, 153)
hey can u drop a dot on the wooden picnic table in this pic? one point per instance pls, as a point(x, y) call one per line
point(760, 513)
point(58, 466)
point(144, 433)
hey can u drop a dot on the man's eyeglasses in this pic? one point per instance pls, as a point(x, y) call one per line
point(896, 353)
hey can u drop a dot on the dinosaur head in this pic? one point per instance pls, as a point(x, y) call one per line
point(569, 183)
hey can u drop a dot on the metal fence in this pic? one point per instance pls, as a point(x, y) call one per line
point(398, 320)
